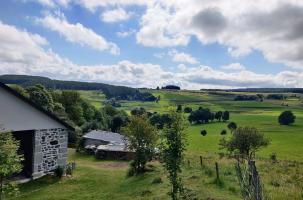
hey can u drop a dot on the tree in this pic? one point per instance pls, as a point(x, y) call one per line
point(188, 109)
point(218, 115)
point(232, 126)
point(138, 111)
point(203, 132)
point(10, 162)
point(41, 96)
point(173, 145)
point(223, 132)
point(286, 118)
point(142, 137)
point(179, 108)
point(225, 116)
point(245, 142)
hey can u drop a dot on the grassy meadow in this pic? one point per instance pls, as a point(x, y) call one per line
point(283, 180)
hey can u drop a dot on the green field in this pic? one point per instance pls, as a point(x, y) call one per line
point(283, 180)
point(286, 141)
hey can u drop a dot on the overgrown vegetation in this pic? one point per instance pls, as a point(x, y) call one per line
point(10, 163)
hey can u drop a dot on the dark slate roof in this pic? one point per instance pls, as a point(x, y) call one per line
point(26, 100)
point(105, 136)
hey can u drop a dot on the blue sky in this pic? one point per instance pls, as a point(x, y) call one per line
point(194, 44)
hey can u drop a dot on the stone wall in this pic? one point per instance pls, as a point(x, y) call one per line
point(50, 150)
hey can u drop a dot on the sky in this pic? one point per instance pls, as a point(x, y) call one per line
point(194, 44)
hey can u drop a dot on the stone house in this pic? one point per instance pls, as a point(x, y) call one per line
point(43, 136)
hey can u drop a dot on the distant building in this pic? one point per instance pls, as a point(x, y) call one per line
point(42, 135)
point(107, 145)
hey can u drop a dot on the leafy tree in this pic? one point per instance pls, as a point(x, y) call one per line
point(142, 138)
point(179, 108)
point(245, 142)
point(232, 126)
point(188, 109)
point(223, 132)
point(41, 96)
point(173, 146)
point(138, 111)
point(225, 116)
point(286, 118)
point(20, 90)
point(202, 115)
point(218, 115)
point(118, 121)
point(203, 132)
point(10, 162)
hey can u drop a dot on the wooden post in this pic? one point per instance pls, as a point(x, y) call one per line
point(201, 161)
point(188, 162)
point(217, 171)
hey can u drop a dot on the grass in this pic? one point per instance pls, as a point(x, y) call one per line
point(283, 180)
point(95, 179)
point(286, 141)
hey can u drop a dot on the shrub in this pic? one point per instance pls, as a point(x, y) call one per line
point(232, 126)
point(223, 132)
point(273, 157)
point(188, 109)
point(59, 171)
point(203, 132)
point(157, 180)
point(286, 118)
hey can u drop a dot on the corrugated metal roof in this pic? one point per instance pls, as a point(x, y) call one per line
point(106, 136)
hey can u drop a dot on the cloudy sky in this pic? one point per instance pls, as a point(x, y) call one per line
point(147, 43)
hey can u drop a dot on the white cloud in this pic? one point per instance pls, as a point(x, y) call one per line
point(115, 15)
point(123, 34)
point(182, 57)
point(77, 33)
point(234, 67)
point(22, 52)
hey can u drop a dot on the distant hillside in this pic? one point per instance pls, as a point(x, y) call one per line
point(261, 90)
point(111, 91)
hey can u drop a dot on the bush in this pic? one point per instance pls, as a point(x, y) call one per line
point(59, 171)
point(273, 157)
point(223, 132)
point(203, 132)
point(157, 180)
point(286, 118)
point(188, 109)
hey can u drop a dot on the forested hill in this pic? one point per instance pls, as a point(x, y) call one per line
point(111, 91)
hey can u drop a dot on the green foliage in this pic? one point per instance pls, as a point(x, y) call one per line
point(188, 109)
point(179, 108)
point(10, 162)
point(20, 90)
point(59, 171)
point(142, 138)
point(173, 146)
point(286, 118)
point(41, 96)
point(245, 142)
point(223, 132)
point(225, 116)
point(159, 120)
point(232, 126)
point(218, 115)
point(203, 132)
point(138, 111)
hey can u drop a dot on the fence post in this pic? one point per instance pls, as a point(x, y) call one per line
point(217, 171)
point(201, 161)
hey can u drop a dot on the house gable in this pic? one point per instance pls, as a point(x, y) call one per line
point(18, 113)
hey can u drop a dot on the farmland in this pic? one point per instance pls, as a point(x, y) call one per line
point(94, 179)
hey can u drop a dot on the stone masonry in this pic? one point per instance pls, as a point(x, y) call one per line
point(50, 150)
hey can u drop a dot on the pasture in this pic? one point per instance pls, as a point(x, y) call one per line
point(283, 180)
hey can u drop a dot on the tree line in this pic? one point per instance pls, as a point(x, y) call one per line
point(110, 91)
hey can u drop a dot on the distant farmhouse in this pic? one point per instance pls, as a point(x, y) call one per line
point(107, 145)
point(43, 136)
